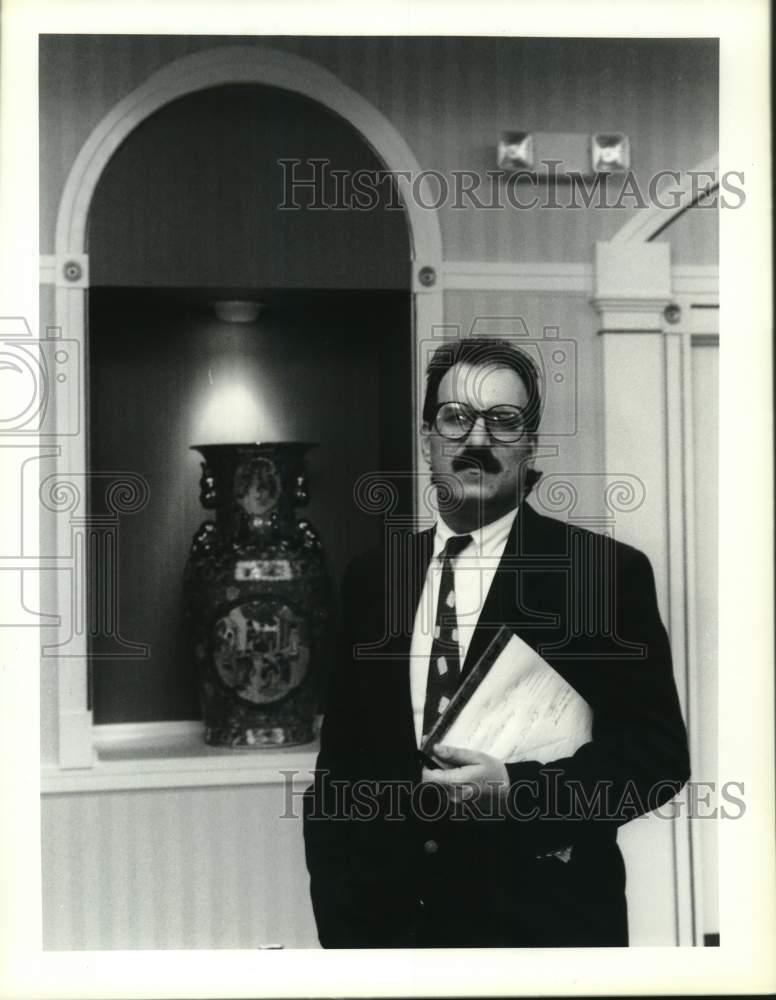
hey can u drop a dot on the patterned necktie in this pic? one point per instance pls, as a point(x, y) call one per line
point(444, 668)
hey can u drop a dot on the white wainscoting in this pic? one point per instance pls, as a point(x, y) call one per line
point(181, 868)
point(204, 868)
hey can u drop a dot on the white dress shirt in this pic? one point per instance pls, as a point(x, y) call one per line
point(473, 571)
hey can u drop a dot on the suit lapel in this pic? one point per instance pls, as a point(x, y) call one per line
point(422, 551)
point(524, 590)
point(408, 563)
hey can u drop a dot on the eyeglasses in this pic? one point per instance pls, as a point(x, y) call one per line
point(504, 423)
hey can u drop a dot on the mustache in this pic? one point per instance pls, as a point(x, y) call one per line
point(480, 458)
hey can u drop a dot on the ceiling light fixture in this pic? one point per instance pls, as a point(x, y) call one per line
point(237, 310)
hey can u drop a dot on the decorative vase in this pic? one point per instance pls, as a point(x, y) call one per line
point(257, 597)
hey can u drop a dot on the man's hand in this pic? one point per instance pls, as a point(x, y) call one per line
point(468, 773)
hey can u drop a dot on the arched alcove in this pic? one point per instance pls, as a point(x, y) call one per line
point(188, 210)
point(249, 65)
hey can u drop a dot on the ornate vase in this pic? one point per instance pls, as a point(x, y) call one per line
point(257, 597)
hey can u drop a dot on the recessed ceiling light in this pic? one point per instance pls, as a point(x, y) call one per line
point(237, 310)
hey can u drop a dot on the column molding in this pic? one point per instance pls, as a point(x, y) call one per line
point(75, 716)
point(645, 429)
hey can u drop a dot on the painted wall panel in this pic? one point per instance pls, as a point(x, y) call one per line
point(551, 325)
point(647, 847)
point(694, 236)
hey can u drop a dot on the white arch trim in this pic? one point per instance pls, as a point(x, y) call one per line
point(230, 65)
point(648, 222)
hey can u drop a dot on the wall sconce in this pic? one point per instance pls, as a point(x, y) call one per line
point(556, 155)
point(516, 151)
point(610, 152)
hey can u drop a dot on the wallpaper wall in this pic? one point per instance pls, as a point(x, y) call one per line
point(449, 98)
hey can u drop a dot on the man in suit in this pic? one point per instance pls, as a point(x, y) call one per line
point(479, 852)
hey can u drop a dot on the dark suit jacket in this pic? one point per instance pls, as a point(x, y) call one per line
point(387, 870)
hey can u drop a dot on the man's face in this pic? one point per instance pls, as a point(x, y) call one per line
point(486, 476)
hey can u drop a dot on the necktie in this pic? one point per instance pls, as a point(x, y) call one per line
point(444, 668)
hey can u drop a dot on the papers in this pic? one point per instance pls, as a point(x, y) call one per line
point(514, 706)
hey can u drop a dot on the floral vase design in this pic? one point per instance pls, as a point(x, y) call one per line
point(257, 597)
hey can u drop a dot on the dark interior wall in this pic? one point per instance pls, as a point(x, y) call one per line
point(331, 368)
point(191, 199)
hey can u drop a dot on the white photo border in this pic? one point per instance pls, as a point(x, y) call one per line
point(743, 962)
